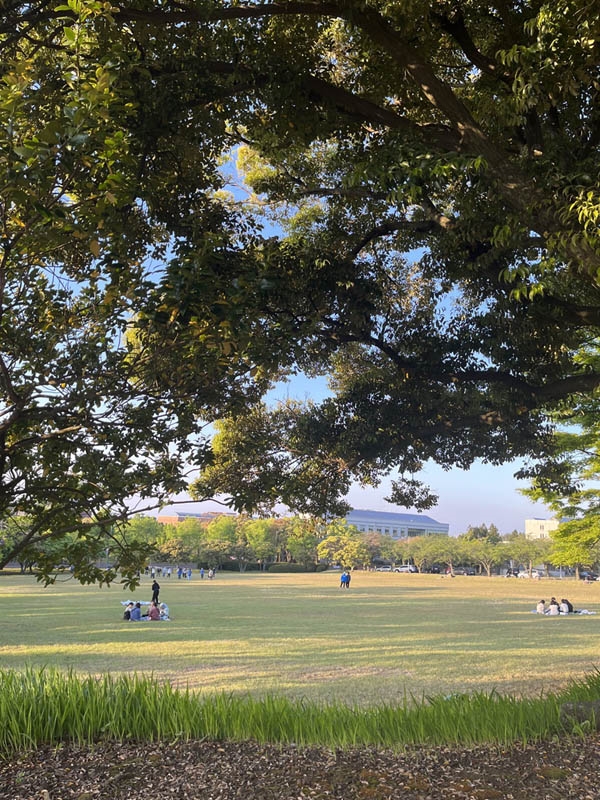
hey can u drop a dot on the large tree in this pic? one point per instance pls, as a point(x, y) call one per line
point(432, 172)
point(93, 190)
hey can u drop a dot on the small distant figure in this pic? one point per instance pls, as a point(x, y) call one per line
point(541, 607)
point(189, 573)
point(345, 579)
point(168, 572)
point(211, 573)
point(566, 607)
point(179, 573)
point(136, 613)
point(155, 591)
point(553, 607)
point(201, 573)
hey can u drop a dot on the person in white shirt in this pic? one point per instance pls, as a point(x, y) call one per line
point(553, 608)
point(541, 607)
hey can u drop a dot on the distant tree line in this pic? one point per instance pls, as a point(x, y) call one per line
point(243, 543)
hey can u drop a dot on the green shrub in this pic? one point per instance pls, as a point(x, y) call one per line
point(285, 567)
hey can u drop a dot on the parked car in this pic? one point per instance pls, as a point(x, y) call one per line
point(383, 569)
point(524, 573)
point(465, 571)
point(406, 568)
point(586, 575)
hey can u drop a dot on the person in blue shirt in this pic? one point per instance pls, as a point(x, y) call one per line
point(136, 613)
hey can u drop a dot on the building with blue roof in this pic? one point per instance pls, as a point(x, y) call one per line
point(398, 526)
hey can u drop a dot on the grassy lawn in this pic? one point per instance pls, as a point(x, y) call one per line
point(303, 637)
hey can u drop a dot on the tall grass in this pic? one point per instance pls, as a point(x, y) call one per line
point(47, 707)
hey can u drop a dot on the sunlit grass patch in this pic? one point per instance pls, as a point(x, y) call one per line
point(390, 637)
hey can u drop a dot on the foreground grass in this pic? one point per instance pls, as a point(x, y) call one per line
point(50, 707)
point(389, 639)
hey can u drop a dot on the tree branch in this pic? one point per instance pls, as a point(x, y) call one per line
point(454, 25)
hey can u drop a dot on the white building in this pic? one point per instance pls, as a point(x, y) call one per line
point(540, 528)
point(398, 526)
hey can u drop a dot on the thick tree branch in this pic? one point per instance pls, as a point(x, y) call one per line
point(454, 24)
point(441, 138)
point(531, 396)
point(391, 227)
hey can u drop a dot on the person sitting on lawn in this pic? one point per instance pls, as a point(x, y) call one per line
point(565, 607)
point(164, 611)
point(154, 612)
point(541, 607)
point(136, 613)
point(553, 608)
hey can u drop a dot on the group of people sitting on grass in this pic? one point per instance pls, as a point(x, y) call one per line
point(554, 608)
point(153, 612)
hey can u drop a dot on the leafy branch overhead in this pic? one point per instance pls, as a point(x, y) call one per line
point(417, 218)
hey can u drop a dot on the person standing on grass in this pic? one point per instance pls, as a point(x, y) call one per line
point(343, 580)
point(155, 591)
point(348, 576)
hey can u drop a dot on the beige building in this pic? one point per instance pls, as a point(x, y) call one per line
point(540, 528)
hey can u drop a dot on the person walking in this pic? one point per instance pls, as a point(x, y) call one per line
point(155, 591)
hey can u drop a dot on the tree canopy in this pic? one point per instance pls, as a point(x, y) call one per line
point(417, 217)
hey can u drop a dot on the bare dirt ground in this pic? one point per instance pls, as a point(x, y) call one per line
point(249, 771)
